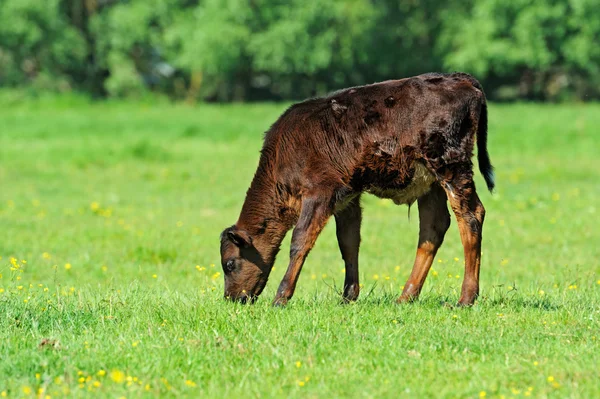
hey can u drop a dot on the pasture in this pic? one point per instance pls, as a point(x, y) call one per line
point(110, 282)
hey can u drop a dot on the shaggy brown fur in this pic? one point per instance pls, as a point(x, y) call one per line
point(408, 140)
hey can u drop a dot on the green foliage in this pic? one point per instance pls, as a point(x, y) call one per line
point(544, 46)
point(240, 50)
point(38, 45)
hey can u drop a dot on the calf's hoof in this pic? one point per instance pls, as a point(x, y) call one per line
point(280, 302)
point(409, 294)
point(351, 294)
point(467, 300)
point(405, 298)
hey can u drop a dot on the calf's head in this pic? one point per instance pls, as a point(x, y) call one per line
point(245, 270)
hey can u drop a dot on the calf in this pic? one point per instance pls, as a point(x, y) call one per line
point(407, 140)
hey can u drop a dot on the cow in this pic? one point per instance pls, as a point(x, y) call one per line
point(406, 140)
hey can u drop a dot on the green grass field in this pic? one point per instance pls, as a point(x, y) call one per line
point(111, 286)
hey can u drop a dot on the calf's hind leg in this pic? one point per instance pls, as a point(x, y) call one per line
point(347, 223)
point(470, 213)
point(313, 217)
point(434, 220)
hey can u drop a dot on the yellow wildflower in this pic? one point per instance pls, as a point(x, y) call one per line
point(117, 376)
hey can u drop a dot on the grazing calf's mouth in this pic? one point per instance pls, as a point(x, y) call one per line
point(242, 298)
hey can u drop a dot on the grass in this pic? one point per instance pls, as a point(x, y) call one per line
point(116, 209)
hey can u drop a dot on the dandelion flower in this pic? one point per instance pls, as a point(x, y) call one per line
point(117, 376)
point(67, 266)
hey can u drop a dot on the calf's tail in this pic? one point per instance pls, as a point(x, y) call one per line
point(485, 165)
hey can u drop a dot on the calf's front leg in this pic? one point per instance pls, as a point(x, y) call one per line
point(313, 217)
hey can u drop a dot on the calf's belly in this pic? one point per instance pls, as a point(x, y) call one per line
point(420, 184)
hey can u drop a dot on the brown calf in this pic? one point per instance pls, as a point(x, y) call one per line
point(407, 140)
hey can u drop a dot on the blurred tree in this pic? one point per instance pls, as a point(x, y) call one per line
point(129, 44)
point(38, 46)
point(210, 41)
point(228, 50)
point(534, 49)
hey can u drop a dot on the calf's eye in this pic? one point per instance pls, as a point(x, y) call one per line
point(229, 266)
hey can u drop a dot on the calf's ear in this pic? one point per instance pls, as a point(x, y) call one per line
point(239, 237)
